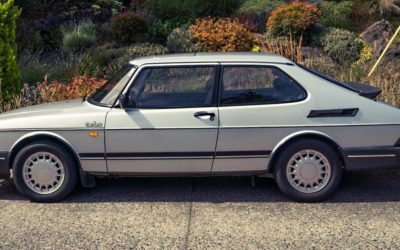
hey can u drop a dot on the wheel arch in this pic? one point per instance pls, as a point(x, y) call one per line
point(310, 134)
point(38, 136)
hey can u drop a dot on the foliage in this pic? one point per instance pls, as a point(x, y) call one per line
point(146, 49)
point(168, 9)
point(181, 41)
point(336, 15)
point(160, 29)
point(79, 37)
point(127, 26)
point(32, 70)
point(342, 45)
point(286, 47)
point(292, 18)
point(114, 5)
point(222, 34)
point(80, 86)
point(259, 6)
point(249, 21)
point(9, 73)
point(385, 7)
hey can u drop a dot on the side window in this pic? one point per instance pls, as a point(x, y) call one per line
point(174, 87)
point(252, 85)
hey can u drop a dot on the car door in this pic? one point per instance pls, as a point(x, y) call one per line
point(256, 104)
point(171, 124)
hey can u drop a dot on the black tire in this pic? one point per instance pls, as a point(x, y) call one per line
point(70, 171)
point(282, 165)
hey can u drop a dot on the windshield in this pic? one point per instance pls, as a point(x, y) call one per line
point(108, 94)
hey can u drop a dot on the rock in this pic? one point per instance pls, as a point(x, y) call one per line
point(377, 37)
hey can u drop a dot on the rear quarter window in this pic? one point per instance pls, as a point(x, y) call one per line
point(255, 85)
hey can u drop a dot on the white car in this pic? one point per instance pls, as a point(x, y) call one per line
point(203, 114)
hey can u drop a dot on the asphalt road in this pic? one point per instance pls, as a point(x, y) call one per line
point(198, 213)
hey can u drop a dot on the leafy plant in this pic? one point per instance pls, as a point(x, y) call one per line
point(80, 86)
point(9, 72)
point(181, 41)
point(78, 37)
point(222, 34)
point(160, 29)
point(259, 6)
point(342, 45)
point(293, 18)
point(114, 5)
point(336, 15)
point(146, 49)
point(127, 26)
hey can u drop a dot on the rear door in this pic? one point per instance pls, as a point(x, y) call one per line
point(173, 125)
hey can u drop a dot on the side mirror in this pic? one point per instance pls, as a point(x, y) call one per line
point(123, 101)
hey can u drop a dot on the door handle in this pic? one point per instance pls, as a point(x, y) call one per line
point(203, 113)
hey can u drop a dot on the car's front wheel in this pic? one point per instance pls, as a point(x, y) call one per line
point(308, 170)
point(44, 172)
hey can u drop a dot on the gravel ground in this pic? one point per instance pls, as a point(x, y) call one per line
point(198, 213)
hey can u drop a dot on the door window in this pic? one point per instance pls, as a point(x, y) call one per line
point(252, 85)
point(174, 87)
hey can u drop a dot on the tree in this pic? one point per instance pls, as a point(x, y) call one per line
point(9, 72)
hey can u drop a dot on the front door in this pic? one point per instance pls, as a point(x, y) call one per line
point(171, 125)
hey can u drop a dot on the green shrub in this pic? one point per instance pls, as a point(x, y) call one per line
point(181, 41)
point(342, 45)
point(259, 6)
point(114, 5)
point(31, 67)
point(9, 73)
point(127, 26)
point(336, 15)
point(292, 18)
point(145, 49)
point(81, 36)
point(168, 9)
point(160, 30)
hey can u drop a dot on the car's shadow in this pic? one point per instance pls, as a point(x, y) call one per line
point(374, 186)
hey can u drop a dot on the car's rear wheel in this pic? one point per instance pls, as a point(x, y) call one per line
point(44, 172)
point(308, 170)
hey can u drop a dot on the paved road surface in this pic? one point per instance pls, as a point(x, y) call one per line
point(199, 213)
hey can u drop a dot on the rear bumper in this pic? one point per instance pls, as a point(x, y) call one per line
point(4, 166)
point(372, 158)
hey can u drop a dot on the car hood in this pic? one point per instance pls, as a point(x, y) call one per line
point(64, 114)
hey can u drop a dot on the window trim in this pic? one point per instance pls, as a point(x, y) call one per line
point(223, 66)
point(215, 65)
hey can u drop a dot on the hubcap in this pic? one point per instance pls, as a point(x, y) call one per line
point(43, 173)
point(308, 171)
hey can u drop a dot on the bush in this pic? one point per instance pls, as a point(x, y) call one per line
point(342, 45)
point(79, 37)
point(114, 5)
point(259, 6)
point(79, 87)
point(292, 18)
point(127, 26)
point(336, 15)
point(9, 73)
point(181, 41)
point(167, 9)
point(146, 49)
point(221, 35)
point(160, 30)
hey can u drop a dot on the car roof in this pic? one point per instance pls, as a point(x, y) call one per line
point(212, 57)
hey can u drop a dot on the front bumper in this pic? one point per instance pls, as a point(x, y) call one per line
point(4, 166)
point(372, 158)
